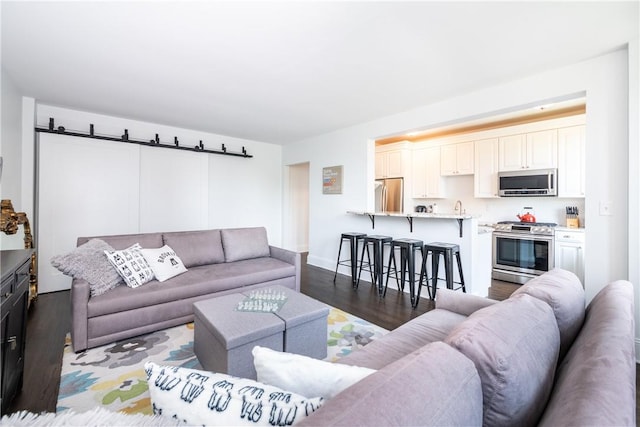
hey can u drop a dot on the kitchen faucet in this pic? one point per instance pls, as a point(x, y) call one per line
point(458, 207)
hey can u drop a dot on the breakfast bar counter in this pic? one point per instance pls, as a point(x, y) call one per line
point(451, 227)
point(410, 216)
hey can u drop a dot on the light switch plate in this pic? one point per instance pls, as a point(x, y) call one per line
point(605, 209)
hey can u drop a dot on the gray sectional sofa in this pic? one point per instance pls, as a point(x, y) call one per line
point(537, 358)
point(218, 262)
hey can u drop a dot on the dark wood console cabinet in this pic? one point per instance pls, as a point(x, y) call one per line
point(14, 300)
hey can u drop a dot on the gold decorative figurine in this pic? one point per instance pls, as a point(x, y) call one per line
point(9, 222)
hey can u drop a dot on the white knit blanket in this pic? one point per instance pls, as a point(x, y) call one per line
point(95, 417)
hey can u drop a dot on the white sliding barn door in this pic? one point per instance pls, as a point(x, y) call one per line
point(173, 190)
point(85, 188)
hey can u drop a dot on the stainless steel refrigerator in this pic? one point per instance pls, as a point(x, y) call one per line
point(389, 195)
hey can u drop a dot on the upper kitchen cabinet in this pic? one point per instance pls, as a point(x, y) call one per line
point(571, 161)
point(456, 159)
point(535, 150)
point(485, 179)
point(425, 174)
point(391, 160)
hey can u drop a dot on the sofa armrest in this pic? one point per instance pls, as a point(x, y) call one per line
point(461, 303)
point(289, 257)
point(433, 386)
point(79, 314)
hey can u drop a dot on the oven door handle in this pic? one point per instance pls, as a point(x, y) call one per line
point(523, 236)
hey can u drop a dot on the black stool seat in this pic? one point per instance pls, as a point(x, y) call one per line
point(448, 251)
point(377, 267)
point(408, 249)
point(353, 238)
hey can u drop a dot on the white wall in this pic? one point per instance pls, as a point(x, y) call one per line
point(11, 152)
point(603, 80)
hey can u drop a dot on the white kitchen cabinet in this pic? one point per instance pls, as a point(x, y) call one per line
point(569, 251)
point(457, 159)
point(535, 150)
point(485, 178)
point(571, 161)
point(390, 164)
point(426, 178)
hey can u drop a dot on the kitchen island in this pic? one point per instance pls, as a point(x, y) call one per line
point(460, 229)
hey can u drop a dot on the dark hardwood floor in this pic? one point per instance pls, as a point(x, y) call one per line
point(49, 320)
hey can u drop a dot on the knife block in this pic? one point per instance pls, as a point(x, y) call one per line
point(573, 222)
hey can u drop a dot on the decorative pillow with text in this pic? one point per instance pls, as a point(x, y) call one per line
point(131, 265)
point(207, 398)
point(164, 262)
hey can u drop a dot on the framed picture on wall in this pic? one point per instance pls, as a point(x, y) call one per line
point(332, 180)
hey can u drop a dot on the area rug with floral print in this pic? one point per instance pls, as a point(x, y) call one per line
point(112, 376)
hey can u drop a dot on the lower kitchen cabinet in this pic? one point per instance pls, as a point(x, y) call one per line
point(569, 251)
point(14, 296)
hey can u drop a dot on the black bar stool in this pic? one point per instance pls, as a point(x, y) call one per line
point(377, 267)
point(408, 248)
point(447, 250)
point(354, 240)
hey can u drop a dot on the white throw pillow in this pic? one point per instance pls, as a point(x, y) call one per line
point(164, 262)
point(207, 398)
point(305, 375)
point(131, 265)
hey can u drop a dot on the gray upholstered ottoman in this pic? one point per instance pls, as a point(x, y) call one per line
point(224, 338)
point(305, 324)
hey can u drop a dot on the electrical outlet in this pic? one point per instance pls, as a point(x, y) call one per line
point(605, 209)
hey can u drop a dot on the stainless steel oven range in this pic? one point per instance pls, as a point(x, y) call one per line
point(522, 250)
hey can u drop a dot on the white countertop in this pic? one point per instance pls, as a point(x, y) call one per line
point(415, 215)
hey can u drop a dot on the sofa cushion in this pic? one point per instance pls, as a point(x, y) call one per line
point(514, 345)
point(562, 290)
point(461, 303)
point(596, 381)
point(432, 326)
point(196, 247)
point(244, 243)
point(198, 281)
point(213, 399)
point(89, 262)
point(433, 386)
point(123, 241)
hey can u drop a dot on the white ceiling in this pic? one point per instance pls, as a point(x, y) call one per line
point(283, 71)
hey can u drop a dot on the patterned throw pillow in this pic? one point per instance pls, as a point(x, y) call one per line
point(164, 262)
point(131, 265)
point(207, 398)
point(88, 262)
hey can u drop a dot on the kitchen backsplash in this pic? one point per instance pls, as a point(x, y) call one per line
point(545, 209)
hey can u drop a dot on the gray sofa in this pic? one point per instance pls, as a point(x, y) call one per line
point(537, 358)
point(218, 262)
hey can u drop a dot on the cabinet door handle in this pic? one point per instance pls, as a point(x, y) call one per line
point(13, 341)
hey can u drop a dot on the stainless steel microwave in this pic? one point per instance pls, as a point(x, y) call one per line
point(540, 182)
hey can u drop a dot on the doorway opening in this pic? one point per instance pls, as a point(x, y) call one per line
point(297, 227)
